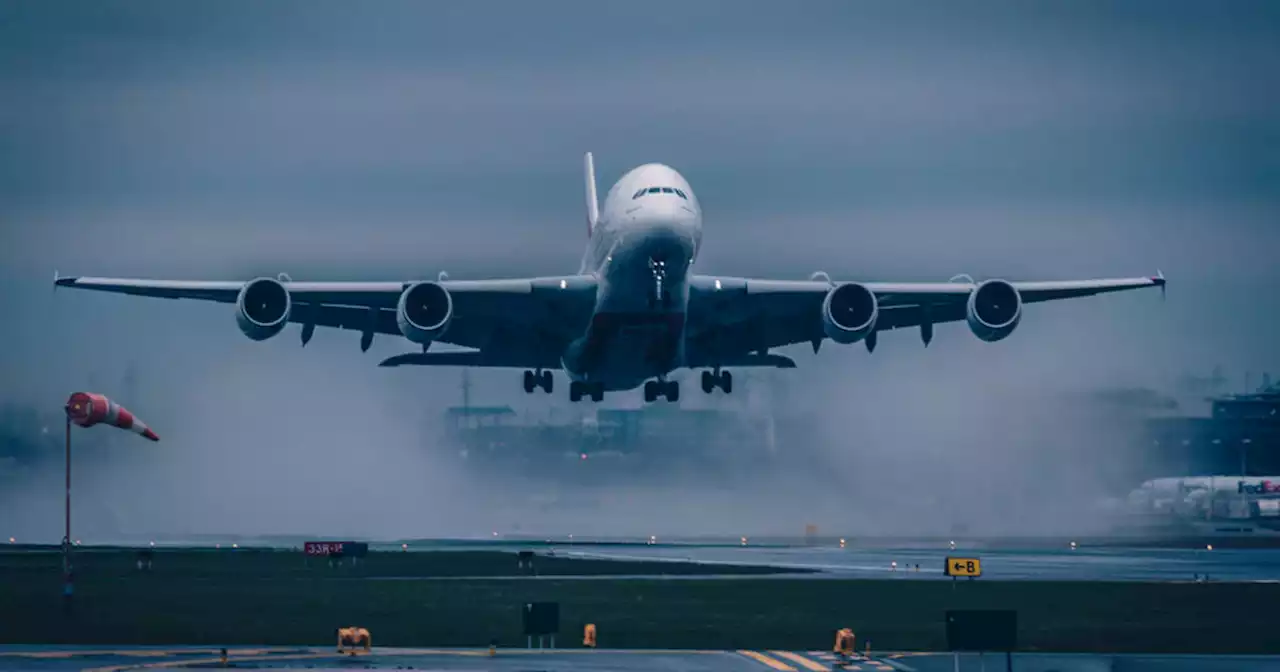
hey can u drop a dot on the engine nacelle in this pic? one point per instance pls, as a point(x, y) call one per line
point(424, 312)
point(849, 313)
point(994, 310)
point(262, 308)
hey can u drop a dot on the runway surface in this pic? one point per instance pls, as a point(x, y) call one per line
point(1083, 564)
point(108, 659)
point(120, 659)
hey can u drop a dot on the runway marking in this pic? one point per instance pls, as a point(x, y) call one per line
point(771, 662)
point(214, 661)
point(140, 653)
point(801, 660)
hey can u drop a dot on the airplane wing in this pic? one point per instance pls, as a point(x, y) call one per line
point(519, 322)
point(731, 315)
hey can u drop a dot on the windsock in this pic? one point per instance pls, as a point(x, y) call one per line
point(88, 409)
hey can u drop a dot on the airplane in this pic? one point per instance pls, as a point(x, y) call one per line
point(633, 314)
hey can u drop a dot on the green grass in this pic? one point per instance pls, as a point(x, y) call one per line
point(258, 597)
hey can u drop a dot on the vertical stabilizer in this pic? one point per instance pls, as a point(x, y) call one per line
point(593, 207)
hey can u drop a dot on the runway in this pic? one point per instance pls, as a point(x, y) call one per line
point(120, 659)
point(1082, 564)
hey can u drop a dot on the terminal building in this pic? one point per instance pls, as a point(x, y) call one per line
point(1240, 435)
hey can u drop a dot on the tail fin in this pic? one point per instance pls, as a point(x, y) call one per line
point(593, 207)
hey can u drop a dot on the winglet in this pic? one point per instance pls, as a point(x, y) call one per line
point(1160, 282)
point(593, 205)
point(62, 281)
point(55, 279)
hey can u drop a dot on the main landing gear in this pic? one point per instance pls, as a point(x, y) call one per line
point(661, 388)
point(579, 389)
point(720, 379)
point(535, 379)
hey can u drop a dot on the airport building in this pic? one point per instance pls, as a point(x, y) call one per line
point(1216, 467)
point(1240, 435)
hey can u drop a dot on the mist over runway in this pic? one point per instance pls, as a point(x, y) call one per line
point(1110, 564)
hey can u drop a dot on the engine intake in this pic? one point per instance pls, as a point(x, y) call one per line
point(994, 310)
point(262, 308)
point(424, 312)
point(849, 313)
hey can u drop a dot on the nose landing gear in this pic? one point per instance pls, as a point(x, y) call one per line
point(720, 379)
point(660, 296)
point(579, 389)
point(669, 389)
point(538, 379)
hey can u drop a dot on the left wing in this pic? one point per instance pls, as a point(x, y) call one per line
point(730, 315)
point(519, 322)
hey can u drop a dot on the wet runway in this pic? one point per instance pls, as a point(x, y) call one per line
point(1036, 662)
point(1082, 564)
point(120, 659)
point(107, 659)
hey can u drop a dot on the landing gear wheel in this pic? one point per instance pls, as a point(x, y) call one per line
point(650, 391)
point(579, 389)
point(672, 392)
point(720, 379)
point(546, 382)
point(529, 382)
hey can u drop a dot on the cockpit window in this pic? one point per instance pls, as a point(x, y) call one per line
point(660, 190)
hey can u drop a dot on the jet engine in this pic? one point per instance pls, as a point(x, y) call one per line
point(424, 312)
point(849, 313)
point(262, 308)
point(994, 310)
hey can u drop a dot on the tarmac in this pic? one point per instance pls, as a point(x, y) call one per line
point(1081, 564)
point(118, 659)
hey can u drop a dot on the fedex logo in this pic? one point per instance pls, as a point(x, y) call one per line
point(1260, 488)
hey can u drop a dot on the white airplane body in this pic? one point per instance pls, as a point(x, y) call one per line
point(634, 312)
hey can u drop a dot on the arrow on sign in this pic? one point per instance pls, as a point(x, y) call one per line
point(957, 566)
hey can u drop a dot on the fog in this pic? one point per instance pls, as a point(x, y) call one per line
point(870, 141)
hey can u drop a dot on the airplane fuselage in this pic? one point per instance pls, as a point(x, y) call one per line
point(641, 249)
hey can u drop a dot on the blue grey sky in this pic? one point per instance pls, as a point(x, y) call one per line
point(396, 139)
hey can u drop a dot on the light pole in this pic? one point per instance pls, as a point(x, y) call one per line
point(87, 409)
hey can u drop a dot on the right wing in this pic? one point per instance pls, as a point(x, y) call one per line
point(730, 316)
point(519, 322)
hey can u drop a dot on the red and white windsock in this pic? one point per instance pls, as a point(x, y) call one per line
point(88, 409)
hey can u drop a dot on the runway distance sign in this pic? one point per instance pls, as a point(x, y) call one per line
point(963, 567)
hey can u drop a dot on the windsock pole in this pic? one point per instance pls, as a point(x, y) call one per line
point(87, 409)
point(68, 586)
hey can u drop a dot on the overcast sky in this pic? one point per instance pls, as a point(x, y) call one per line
point(396, 139)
